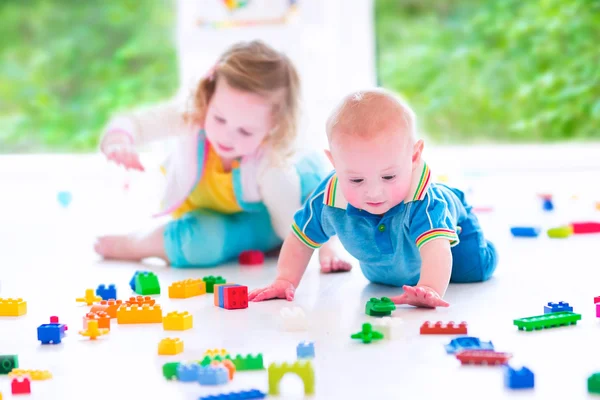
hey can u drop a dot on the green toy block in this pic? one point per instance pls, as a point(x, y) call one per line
point(303, 369)
point(208, 359)
point(146, 283)
point(546, 321)
point(211, 281)
point(7, 363)
point(593, 383)
point(561, 232)
point(367, 335)
point(379, 307)
point(170, 370)
point(249, 362)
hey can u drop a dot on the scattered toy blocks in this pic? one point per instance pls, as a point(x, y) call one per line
point(467, 343)
point(140, 301)
point(146, 283)
point(303, 369)
point(440, 328)
point(107, 293)
point(51, 333)
point(248, 362)
point(521, 378)
point(390, 327)
point(188, 372)
point(483, 357)
point(12, 307)
point(367, 334)
point(177, 321)
point(211, 281)
point(525, 231)
point(294, 319)
point(20, 385)
point(593, 383)
point(305, 350)
point(251, 257)
point(89, 298)
point(379, 307)
point(557, 307)
point(213, 375)
point(170, 370)
point(216, 352)
point(101, 316)
point(243, 395)
point(170, 347)
point(108, 306)
point(34, 375)
point(8, 363)
point(547, 321)
point(92, 331)
point(187, 288)
point(145, 314)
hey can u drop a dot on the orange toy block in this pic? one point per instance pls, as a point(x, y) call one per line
point(101, 316)
point(440, 328)
point(187, 288)
point(145, 314)
point(170, 347)
point(139, 301)
point(89, 298)
point(227, 364)
point(108, 306)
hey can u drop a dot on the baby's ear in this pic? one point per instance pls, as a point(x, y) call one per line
point(417, 151)
point(328, 154)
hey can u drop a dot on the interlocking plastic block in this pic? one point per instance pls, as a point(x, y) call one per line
point(379, 307)
point(34, 374)
point(367, 334)
point(547, 205)
point(252, 257)
point(89, 298)
point(170, 347)
point(557, 307)
point(140, 301)
point(305, 350)
point(598, 310)
point(390, 327)
point(235, 298)
point(467, 343)
point(294, 319)
point(8, 363)
point(92, 331)
point(140, 315)
point(593, 383)
point(249, 362)
point(303, 369)
point(187, 288)
point(20, 385)
point(108, 306)
point(525, 231)
point(596, 299)
point(107, 293)
point(188, 372)
point(521, 378)
point(146, 283)
point(211, 281)
point(216, 352)
point(51, 333)
point(177, 321)
point(243, 395)
point(560, 232)
point(132, 281)
point(483, 357)
point(219, 294)
point(170, 370)
point(439, 328)
point(101, 316)
point(585, 227)
point(12, 307)
point(228, 364)
point(213, 375)
point(546, 321)
point(207, 360)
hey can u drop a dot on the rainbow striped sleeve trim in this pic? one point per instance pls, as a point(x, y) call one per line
point(423, 183)
point(331, 191)
point(303, 238)
point(437, 234)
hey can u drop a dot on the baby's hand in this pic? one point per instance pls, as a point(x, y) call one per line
point(280, 289)
point(420, 296)
point(120, 149)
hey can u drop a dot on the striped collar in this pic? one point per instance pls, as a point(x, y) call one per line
point(420, 181)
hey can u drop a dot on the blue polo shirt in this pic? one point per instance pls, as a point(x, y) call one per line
point(387, 246)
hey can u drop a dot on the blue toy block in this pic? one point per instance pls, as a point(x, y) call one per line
point(107, 293)
point(525, 231)
point(243, 395)
point(521, 378)
point(467, 343)
point(222, 293)
point(547, 205)
point(51, 333)
point(188, 372)
point(305, 350)
point(132, 281)
point(557, 307)
point(210, 375)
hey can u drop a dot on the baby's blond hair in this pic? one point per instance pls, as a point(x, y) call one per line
point(257, 68)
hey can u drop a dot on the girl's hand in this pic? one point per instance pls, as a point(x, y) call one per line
point(119, 148)
point(420, 296)
point(280, 289)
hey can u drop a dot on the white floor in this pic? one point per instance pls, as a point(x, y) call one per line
point(46, 257)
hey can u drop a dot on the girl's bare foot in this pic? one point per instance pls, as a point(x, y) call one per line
point(330, 260)
point(132, 247)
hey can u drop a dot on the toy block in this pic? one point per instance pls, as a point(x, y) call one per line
point(187, 288)
point(188, 372)
point(108, 306)
point(211, 281)
point(8, 363)
point(101, 316)
point(146, 283)
point(521, 378)
point(560, 232)
point(89, 298)
point(251, 257)
point(390, 327)
point(170, 347)
point(585, 227)
point(596, 299)
point(305, 350)
point(12, 307)
point(216, 352)
point(367, 334)
point(107, 293)
point(557, 307)
point(294, 319)
point(593, 383)
point(242, 395)
point(140, 301)
point(303, 369)
point(207, 360)
point(51, 333)
point(248, 362)
point(132, 281)
point(92, 331)
point(483, 357)
point(144, 314)
point(54, 320)
point(525, 231)
point(467, 343)
point(228, 364)
point(170, 370)
point(213, 375)
point(219, 295)
point(598, 310)
point(177, 321)
point(20, 385)
point(547, 321)
point(440, 328)
point(235, 298)
point(379, 307)
point(34, 375)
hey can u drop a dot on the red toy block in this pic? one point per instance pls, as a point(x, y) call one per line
point(101, 316)
point(440, 328)
point(235, 297)
point(596, 299)
point(585, 227)
point(20, 385)
point(252, 257)
point(140, 301)
point(483, 357)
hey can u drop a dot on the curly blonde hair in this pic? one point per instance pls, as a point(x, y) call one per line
point(256, 68)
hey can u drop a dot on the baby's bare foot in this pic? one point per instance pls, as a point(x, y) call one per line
point(330, 261)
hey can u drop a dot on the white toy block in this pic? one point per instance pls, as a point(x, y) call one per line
point(294, 319)
point(390, 327)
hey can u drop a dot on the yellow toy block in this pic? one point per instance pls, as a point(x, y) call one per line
point(146, 314)
point(216, 352)
point(170, 347)
point(187, 288)
point(34, 374)
point(12, 307)
point(93, 331)
point(89, 298)
point(177, 321)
